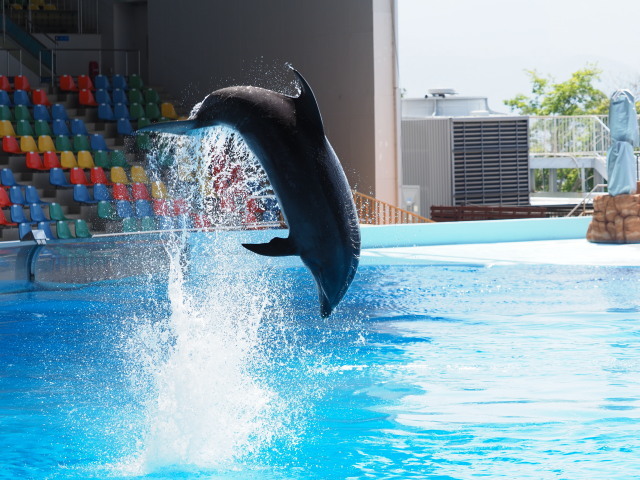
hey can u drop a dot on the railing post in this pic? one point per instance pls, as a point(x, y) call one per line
point(20, 56)
point(139, 73)
point(99, 62)
point(126, 63)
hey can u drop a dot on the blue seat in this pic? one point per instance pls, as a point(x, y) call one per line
point(102, 96)
point(58, 111)
point(21, 97)
point(36, 213)
point(58, 179)
point(17, 214)
point(120, 110)
point(24, 229)
point(105, 112)
point(123, 209)
point(41, 112)
point(120, 82)
point(124, 127)
point(164, 223)
point(120, 96)
point(78, 127)
point(7, 179)
point(143, 208)
point(31, 195)
point(5, 99)
point(97, 142)
point(46, 228)
point(60, 127)
point(101, 82)
point(16, 195)
point(81, 194)
point(272, 211)
point(101, 193)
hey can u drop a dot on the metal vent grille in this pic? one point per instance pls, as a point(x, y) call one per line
point(491, 162)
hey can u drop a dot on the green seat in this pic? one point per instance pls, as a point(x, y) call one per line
point(119, 159)
point(152, 111)
point(81, 142)
point(143, 142)
point(135, 81)
point(147, 224)
point(136, 111)
point(63, 144)
point(63, 231)
point(56, 213)
point(143, 122)
point(101, 159)
point(21, 112)
point(24, 128)
point(129, 225)
point(5, 113)
point(135, 96)
point(42, 127)
point(106, 211)
point(82, 229)
point(151, 96)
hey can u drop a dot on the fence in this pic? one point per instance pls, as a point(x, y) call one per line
point(580, 135)
point(372, 211)
point(53, 16)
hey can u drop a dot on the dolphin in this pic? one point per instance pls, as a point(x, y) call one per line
point(287, 136)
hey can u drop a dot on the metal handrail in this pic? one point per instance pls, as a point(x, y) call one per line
point(55, 52)
point(372, 211)
point(583, 203)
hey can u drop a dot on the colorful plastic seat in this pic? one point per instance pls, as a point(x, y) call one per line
point(124, 127)
point(6, 129)
point(152, 112)
point(28, 144)
point(36, 213)
point(39, 97)
point(68, 160)
point(23, 230)
point(97, 142)
point(167, 110)
point(148, 224)
point(143, 122)
point(85, 83)
point(42, 127)
point(31, 195)
point(46, 228)
point(143, 208)
point(139, 191)
point(56, 213)
point(135, 96)
point(136, 111)
point(16, 212)
point(10, 145)
point(5, 201)
point(102, 96)
point(105, 112)
point(98, 175)
point(33, 161)
point(159, 190)
point(63, 144)
point(4, 222)
point(81, 194)
point(120, 110)
point(7, 179)
point(143, 142)
point(119, 82)
point(5, 99)
point(101, 159)
point(21, 82)
point(81, 142)
point(121, 192)
point(60, 127)
point(22, 112)
point(5, 84)
point(130, 225)
point(161, 207)
point(164, 222)
point(77, 177)
point(59, 111)
point(118, 175)
point(41, 112)
point(120, 96)
point(135, 81)
point(16, 196)
point(57, 178)
point(86, 98)
point(66, 83)
point(78, 127)
point(124, 209)
point(21, 97)
point(151, 96)
point(6, 113)
point(81, 228)
point(50, 160)
point(139, 175)
point(85, 160)
point(45, 144)
point(63, 230)
point(101, 82)
point(101, 193)
point(106, 211)
point(119, 159)
point(24, 129)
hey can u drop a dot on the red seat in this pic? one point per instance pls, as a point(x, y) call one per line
point(121, 192)
point(84, 82)
point(140, 192)
point(10, 145)
point(5, 84)
point(20, 82)
point(67, 84)
point(34, 161)
point(4, 221)
point(180, 207)
point(51, 160)
point(98, 175)
point(77, 177)
point(201, 221)
point(86, 98)
point(162, 208)
point(39, 97)
point(4, 199)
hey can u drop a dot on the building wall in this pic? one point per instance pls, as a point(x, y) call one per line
point(342, 47)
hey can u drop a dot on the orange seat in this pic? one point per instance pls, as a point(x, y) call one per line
point(20, 82)
point(67, 83)
point(84, 82)
point(10, 145)
point(77, 177)
point(39, 97)
point(86, 98)
point(51, 160)
point(34, 161)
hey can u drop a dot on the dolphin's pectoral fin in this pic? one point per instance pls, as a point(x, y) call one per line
point(277, 247)
point(176, 128)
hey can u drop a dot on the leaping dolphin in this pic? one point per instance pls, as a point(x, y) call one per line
point(287, 136)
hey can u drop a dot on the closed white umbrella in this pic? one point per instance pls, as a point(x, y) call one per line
point(621, 163)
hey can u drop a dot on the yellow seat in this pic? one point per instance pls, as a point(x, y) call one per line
point(138, 175)
point(28, 144)
point(85, 160)
point(159, 190)
point(118, 175)
point(68, 160)
point(16, 6)
point(6, 129)
point(168, 111)
point(45, 144)
point(49, 6)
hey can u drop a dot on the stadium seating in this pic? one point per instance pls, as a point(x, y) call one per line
point(81, 194)
point(57, 178)
point(68, 160)
point(55, 212)
point(78, 127)
point(85, 160)
point(42, 127)
point(7, 179)
point(6, 129)
point(121, 192)
point(10, 145)
point(24, 129)
point(85, 83)
point(45, 144)
point(21, 82)
point(77, 177)
point(5, 84)
point(36, 213)
point(31, 195)
point(50, 160)
point(138, 175)
point(41, 112)
point(63, 231)
point(81, 228)
point(66, 83)
point(98, 175)
point(39, 97)
point(60, 127)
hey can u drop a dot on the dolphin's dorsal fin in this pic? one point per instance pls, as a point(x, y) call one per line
point(307, 110)
point(277, 247)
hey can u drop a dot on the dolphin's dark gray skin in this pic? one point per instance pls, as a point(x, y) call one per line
point(286, 134)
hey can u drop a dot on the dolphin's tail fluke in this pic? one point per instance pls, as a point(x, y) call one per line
point(176, 128)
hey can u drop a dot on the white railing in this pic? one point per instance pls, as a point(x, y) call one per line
point(580, 135)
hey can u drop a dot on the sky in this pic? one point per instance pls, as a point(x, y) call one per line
point(483, 47)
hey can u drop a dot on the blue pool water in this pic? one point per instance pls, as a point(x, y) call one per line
point(425, 372)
